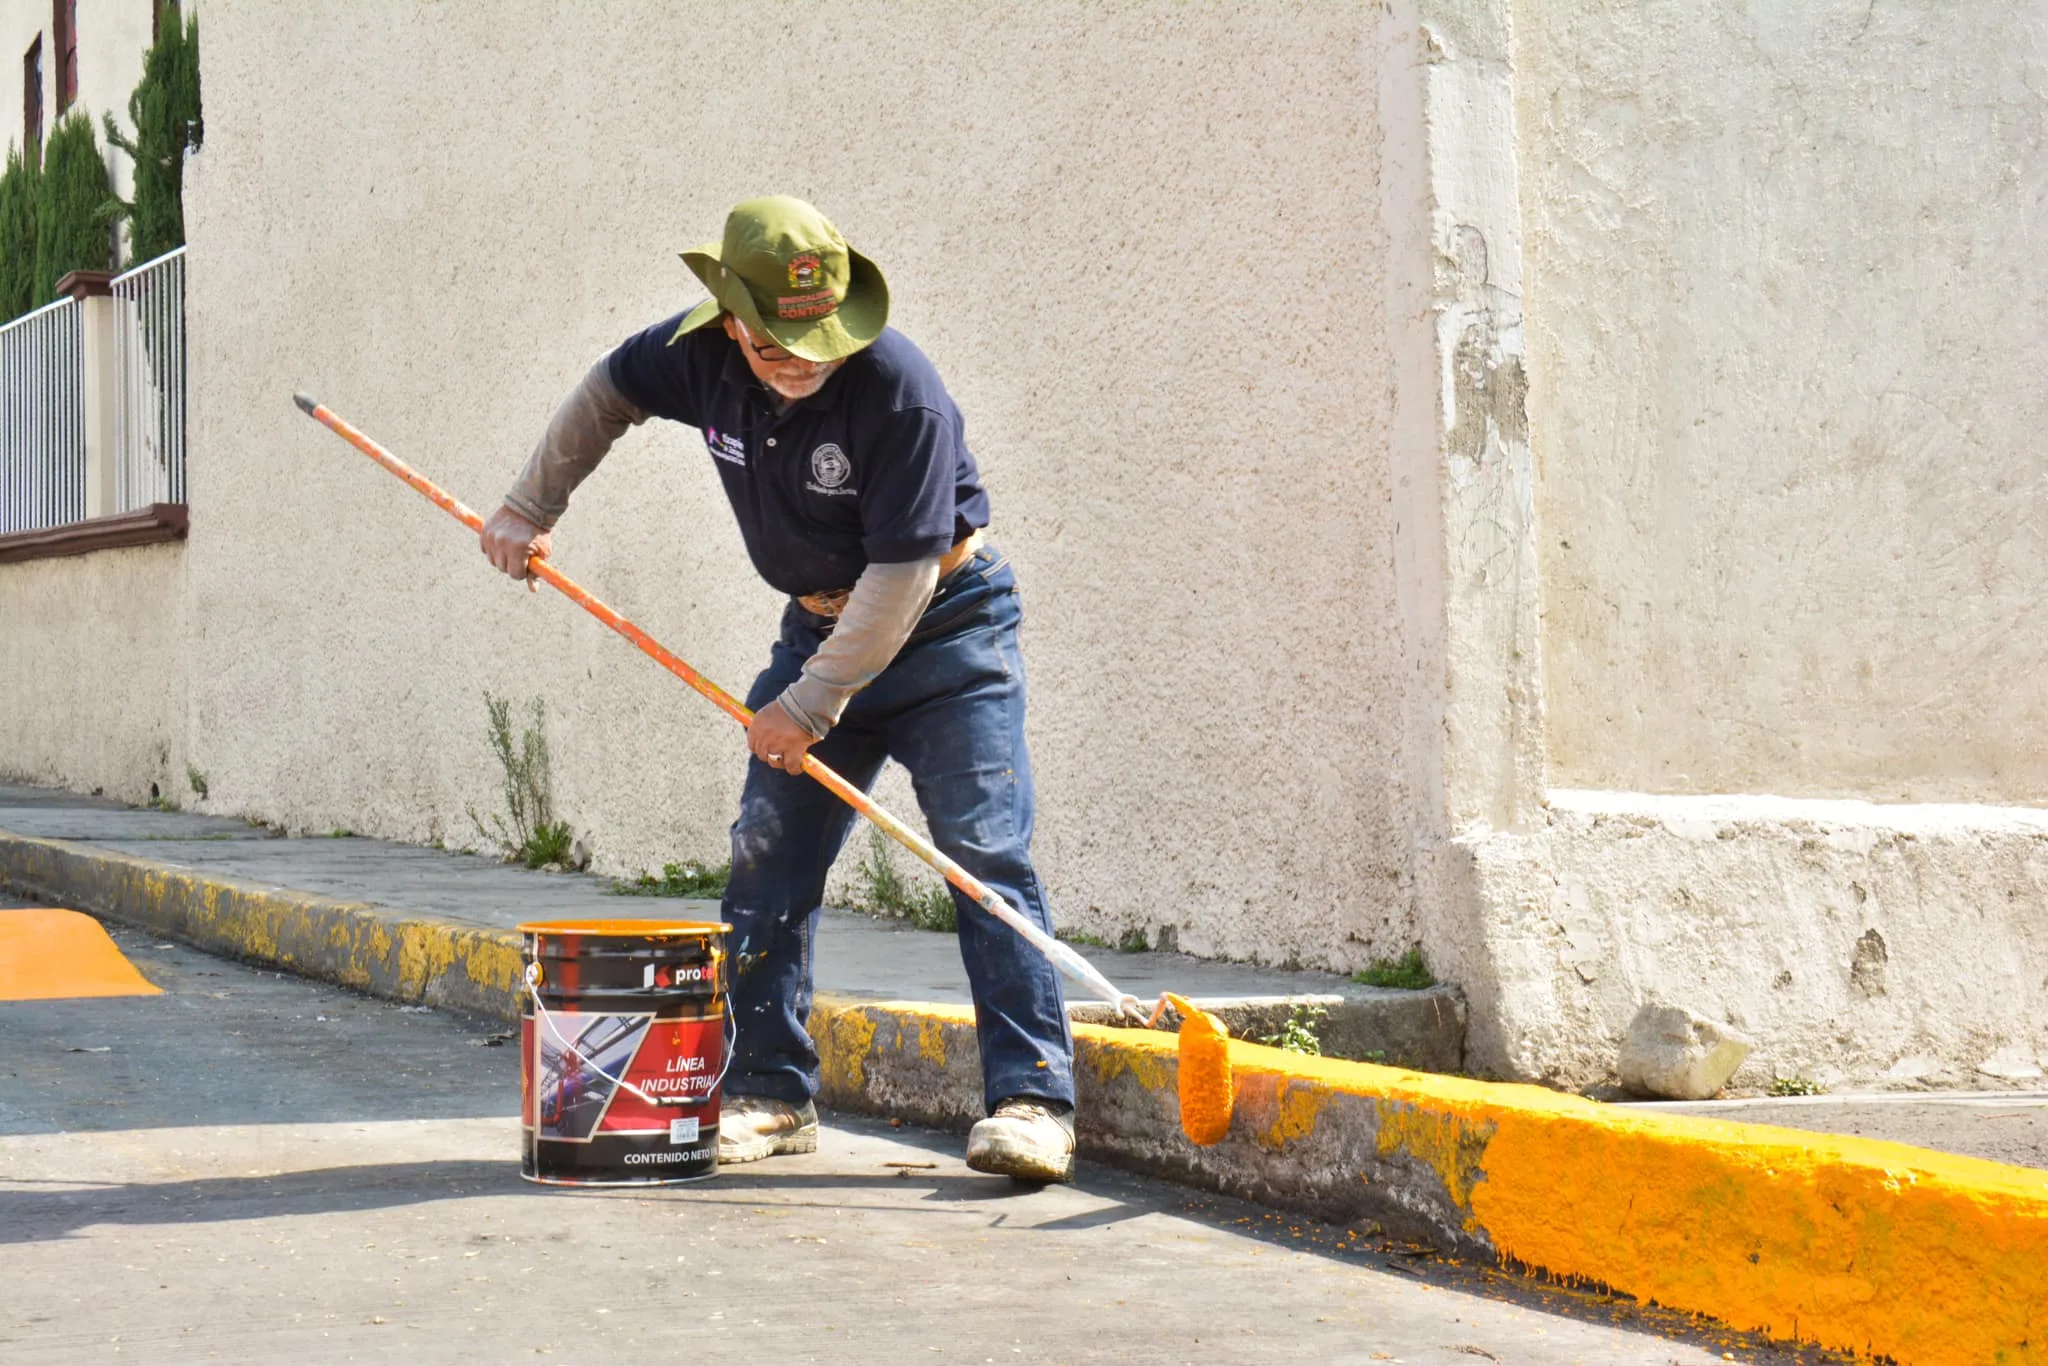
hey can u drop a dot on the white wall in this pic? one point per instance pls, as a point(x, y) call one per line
point(1787, 320)
point(1426, 432)
point(92, 648)
point(1856, 944)
point(92, 667)
point(1783, 396)
point(1142, 243)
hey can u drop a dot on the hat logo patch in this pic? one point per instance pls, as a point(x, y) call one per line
point(814, 298)
point(829, 465)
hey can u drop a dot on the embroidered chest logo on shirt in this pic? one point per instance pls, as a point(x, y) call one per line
point(829, 471)
point(725, 446)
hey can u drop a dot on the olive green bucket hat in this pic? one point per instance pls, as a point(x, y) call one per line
point(784, 271)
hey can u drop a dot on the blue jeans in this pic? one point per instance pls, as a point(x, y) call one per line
point(950, 709)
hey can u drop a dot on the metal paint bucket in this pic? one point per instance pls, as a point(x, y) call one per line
point(624, 1042)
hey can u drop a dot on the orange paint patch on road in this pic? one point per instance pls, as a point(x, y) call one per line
point(50, 955)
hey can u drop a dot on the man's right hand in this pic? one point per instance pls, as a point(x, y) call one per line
point(510, 540)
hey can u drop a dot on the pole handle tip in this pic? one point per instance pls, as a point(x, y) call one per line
point(305, 402)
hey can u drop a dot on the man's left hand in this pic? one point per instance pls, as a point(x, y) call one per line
point(777, 740)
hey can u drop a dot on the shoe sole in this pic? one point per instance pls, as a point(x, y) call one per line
point(999, 1159)
point(796, 1141)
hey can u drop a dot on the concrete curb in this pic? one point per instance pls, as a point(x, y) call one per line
point(1423, 1030)
point(1846, 1243)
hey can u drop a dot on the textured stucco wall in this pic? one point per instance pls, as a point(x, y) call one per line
point(1786, 321)
point(92, 670)
point(1143, 244)
point(1779, 334)
point(1354, 616)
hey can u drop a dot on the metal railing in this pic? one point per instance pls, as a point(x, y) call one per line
point(42, 419)
point(149, 362)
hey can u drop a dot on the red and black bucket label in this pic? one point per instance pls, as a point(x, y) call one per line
point(620, 1098)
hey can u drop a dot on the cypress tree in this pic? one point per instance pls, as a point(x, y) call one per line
point(71, 207)
point(166, 113)
point(17, 235)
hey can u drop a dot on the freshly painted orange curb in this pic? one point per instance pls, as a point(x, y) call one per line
point(1845, 1243)
point(56, 955)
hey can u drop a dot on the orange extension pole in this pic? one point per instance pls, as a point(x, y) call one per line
point(1061, 956)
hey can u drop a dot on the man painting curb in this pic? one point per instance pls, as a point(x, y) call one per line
point(846, 465)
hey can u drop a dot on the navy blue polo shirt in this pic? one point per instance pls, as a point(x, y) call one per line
point(874, 467)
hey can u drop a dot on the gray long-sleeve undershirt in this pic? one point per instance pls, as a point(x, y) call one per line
point(887, 600)
point(589, 420)
point(885, 603)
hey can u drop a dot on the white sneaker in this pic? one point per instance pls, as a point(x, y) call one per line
point(753, 1127)
point(1029, 1139)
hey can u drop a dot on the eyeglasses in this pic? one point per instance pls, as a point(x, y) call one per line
point(770, 354)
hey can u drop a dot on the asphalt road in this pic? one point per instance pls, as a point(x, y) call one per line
point(257, 1168)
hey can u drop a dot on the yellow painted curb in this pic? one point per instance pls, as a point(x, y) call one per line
point(400, 955)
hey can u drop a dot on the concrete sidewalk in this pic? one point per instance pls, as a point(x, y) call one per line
point(857, 956)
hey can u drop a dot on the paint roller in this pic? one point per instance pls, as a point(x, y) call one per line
point(1204, 1081)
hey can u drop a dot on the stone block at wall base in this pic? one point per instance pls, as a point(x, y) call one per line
point(1846, 939)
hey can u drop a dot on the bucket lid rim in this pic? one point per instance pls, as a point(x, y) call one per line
point(623, 928)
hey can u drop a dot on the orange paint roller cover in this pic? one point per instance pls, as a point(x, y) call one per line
point(1206, 1089)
